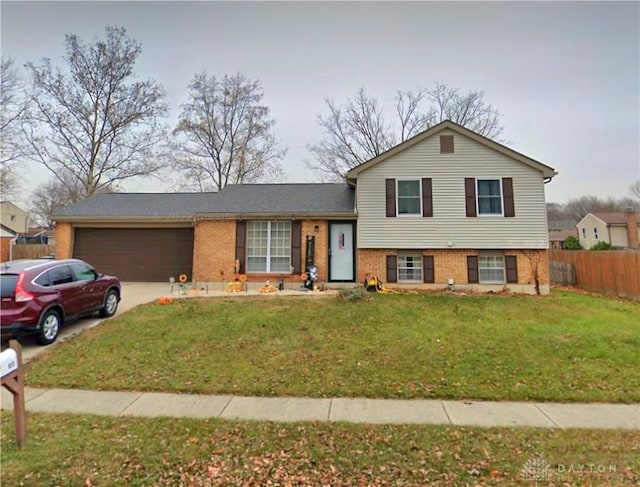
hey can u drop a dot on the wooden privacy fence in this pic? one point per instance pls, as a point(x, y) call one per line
point(27, 251)
point(612, 272)
point(562, 273)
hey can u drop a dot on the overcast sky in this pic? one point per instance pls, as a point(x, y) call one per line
point(565, 76)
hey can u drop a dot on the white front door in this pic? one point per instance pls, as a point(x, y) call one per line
point(341, 247)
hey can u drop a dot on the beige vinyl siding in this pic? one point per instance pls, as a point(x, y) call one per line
point(449, 224)
point(588, 237)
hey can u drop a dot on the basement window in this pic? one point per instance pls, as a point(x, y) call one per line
point(491, 269)
point(409, 267)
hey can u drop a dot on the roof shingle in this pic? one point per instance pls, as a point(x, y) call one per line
point(246, 199)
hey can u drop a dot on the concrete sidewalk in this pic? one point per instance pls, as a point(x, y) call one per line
point(376, 411)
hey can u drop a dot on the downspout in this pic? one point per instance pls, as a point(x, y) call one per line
point(11, 244)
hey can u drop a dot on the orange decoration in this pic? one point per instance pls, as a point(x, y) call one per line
point(165, 300)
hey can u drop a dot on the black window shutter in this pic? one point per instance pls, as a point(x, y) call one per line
point(472, 269)
point(507, 194)
point(296, 245)
point(428, 274)
point(391, 196)
point(241, 234)
point(427, 199)
point(470, 196)
point(511, 264)
point(392, 268)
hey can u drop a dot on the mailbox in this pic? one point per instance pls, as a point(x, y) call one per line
point(8, 362)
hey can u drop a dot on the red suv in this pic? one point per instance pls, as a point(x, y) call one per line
point(38, 296)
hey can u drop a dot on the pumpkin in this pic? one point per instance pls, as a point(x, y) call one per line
point(165, 300)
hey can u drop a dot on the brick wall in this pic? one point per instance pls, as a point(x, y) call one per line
point(5, 243)
point(452, 264)
point(64, 240)
point(214, 250)
point(321, 253)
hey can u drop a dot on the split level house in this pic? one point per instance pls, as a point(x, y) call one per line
point(447, 207)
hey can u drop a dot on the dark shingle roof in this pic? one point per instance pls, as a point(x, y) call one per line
point(137, 205)
point(285, 198)
point(242, 199)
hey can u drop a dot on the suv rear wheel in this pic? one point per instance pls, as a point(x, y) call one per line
point(49, 327)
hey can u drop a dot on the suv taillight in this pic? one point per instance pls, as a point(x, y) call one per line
point(21, 294)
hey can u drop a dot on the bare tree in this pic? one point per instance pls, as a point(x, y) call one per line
point(634, 189)
point(577, 208)
point(60, 191)
point(224, 134)
point(12, 108)
point(360, 129)
point(354, 133)
point(466, 109)
point(96, 122)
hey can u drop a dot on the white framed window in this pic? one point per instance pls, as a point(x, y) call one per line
point(409, 196)
point(489, 196)
point(491, 269)
point(409, 267)
point(268, 246)
point(595, 233)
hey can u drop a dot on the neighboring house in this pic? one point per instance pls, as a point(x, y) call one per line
point(6, 236)
point(38, 235)
point(557, 237)
point(13, 217)
point(447, 207)
point(620, 229)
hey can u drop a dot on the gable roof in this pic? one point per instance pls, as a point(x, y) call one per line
point(547, 171)
point(6, 232)
point(8, 204)
point(612, 217)
point(234, 200)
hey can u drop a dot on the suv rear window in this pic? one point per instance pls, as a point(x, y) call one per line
point(8, 285)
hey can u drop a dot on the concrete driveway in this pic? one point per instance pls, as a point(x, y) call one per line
point(133, 294)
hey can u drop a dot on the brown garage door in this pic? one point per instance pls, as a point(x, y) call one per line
point(137, 254)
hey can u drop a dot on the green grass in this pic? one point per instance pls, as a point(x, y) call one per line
point(74, 450)
point(564, 347)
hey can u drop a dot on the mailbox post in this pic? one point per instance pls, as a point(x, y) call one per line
point(12, 379)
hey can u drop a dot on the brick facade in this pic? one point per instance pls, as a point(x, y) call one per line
point(214, 251)
point(321, 252)
point(64, 240)
point(5, 243)
point(452, 264)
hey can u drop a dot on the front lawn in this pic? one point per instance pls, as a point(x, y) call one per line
point(104, 451)
point(564, 347)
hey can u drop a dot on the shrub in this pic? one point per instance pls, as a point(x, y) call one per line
point(601, 246)
point(358, 293)
point(571, 243)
